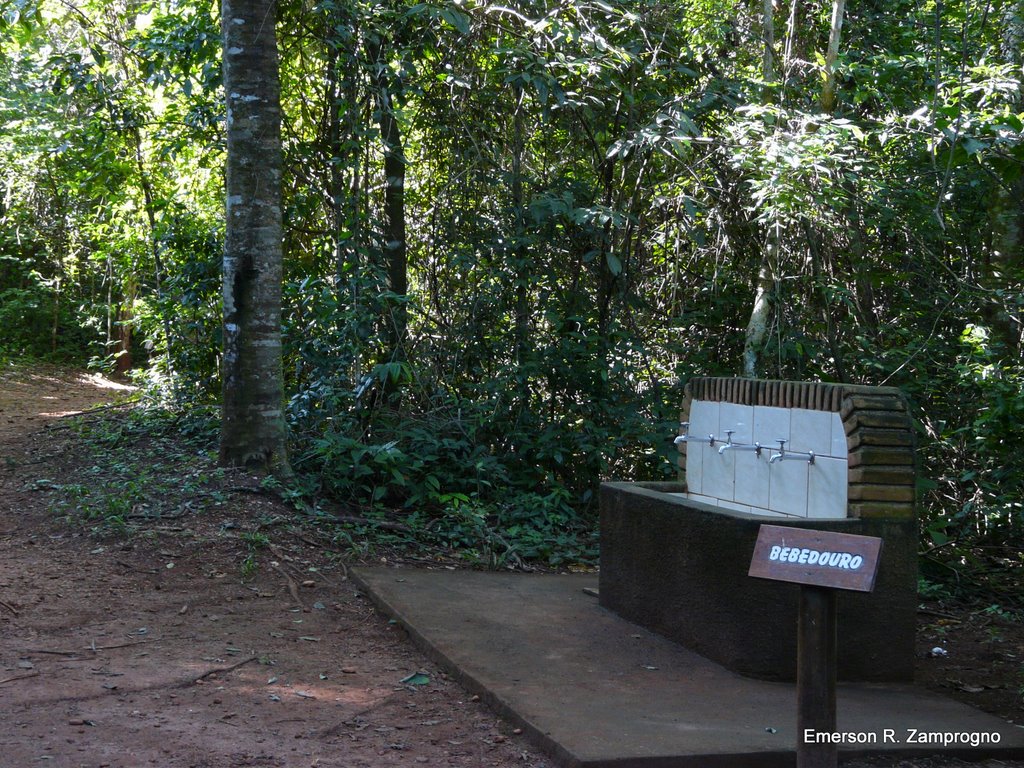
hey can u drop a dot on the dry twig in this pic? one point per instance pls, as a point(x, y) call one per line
point(18, 677)
point(92, 648)
point(218, 670)
point(293, 586)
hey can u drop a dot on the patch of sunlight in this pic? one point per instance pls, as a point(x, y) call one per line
point(101, 382)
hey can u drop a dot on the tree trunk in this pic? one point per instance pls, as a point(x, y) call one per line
point(158, 267)
point(123, 362)
point(519, 254)
point(1005, 264)
point(252, 425)
point(394, 197)
point(761, 314)
point(828, 91)
point(345, 146)
point(768, 34)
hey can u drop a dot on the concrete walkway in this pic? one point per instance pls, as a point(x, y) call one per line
point(595, 691)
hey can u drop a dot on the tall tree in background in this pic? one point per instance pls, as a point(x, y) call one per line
point(1006, 261)
point(387, 87)
point(252, 427)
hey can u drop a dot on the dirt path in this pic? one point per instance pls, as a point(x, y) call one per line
point(159, 651)
point(166, 649)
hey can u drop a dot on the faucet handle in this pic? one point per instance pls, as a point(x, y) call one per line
point(728, 435)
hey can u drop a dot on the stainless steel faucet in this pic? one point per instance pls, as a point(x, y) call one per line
point(784, 455)
point(710, 439)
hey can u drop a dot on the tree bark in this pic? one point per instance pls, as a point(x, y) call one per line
point(828, 91)
point(761, 311)
point(394, 196)
point(768, 33)
point(1005, 264)
point(149, 200)
point(252, 425)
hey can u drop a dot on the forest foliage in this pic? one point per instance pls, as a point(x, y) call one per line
point(599, 199)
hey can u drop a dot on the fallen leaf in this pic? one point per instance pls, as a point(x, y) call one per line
point(416, 678)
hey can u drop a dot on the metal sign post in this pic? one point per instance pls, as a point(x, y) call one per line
point(820, 562)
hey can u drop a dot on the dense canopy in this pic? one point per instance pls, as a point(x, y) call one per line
point(511, 232)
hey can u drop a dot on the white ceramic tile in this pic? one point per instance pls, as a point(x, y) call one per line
point(770, 424)
point(782, 514)
point(810, 431)
point(826, 488)
point(838, 449)
point(788, 488)
point(703, 418)
point(740, 419)
point(732, 505)
point(766, 512)
point(751, 478)
point(719, 473)
point(694, 471)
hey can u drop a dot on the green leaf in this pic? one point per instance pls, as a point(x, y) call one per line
point(416, 678)
point(457, 19)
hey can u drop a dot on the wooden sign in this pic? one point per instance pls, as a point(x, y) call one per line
point(817, 558)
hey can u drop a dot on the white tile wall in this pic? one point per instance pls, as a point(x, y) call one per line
point(751, 478)
point(810, 431)
point(743, 481)
point(787, 487)
point(770, 425)
point(766, 512)
point(694, 467)
point(734, 506)
point(740, 419)
point(703, 419)
point(719, 473)
point(703, 422)
point(826, 488)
